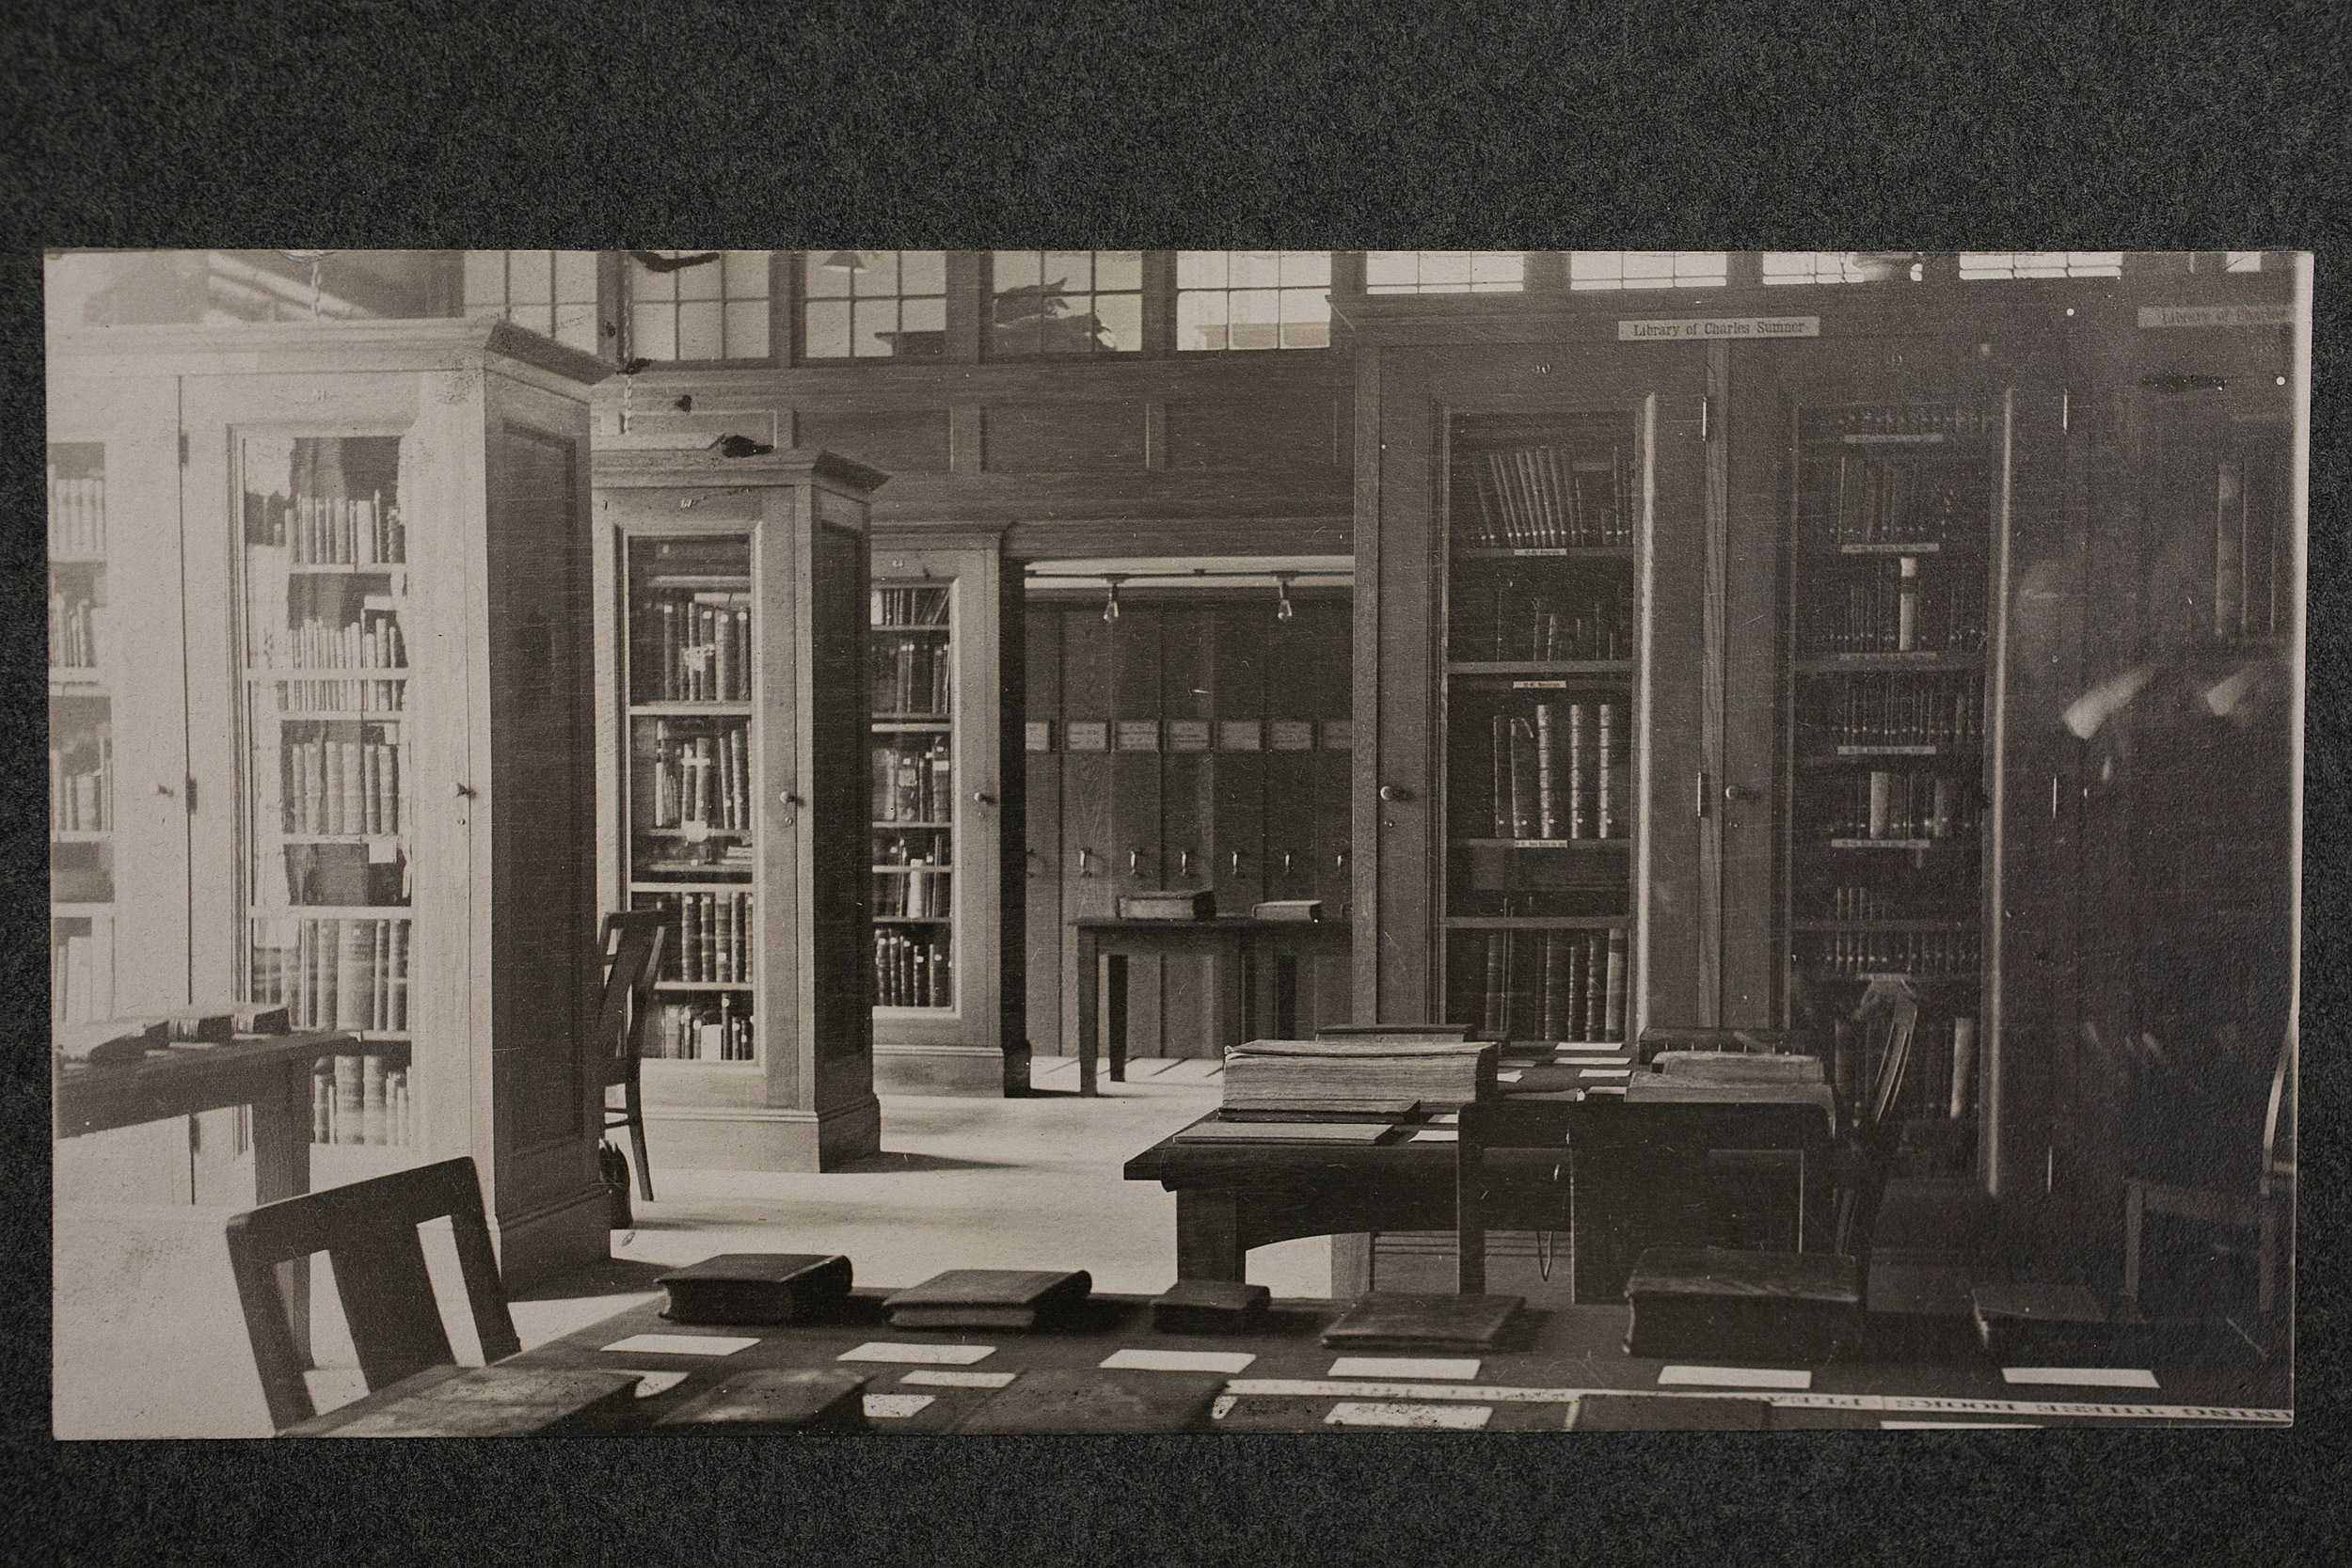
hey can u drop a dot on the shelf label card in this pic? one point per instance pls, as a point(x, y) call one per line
point(2086, 1377)
point(2217, 315)
point(1240, 734)
point(1712, 328)
point(1294, 735)
point(1539, 686)
point(1187, 734)
point(1339, 734)
point(1037, 735)
point(1087, 735)
point(1138, 735)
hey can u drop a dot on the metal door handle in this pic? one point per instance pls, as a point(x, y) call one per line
point(982, 798)
point(1184, 863)
point(1135, 863)
point(1236, 862)
point(1395, 792)
point(1086, 859)
point(1286, 863)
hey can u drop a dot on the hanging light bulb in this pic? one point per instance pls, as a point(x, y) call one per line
point(1110, 595)
point(1284, 610)
point(844, 261)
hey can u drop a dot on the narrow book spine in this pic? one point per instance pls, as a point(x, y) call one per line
point(1612, 1027)
point(1547, 815)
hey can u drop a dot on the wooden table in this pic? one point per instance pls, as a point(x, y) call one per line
point(1529, 1381)
point(269, 1072)
point(1242, 939)
point(1231, 1196)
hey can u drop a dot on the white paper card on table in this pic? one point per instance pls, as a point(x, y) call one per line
point(1384, 1412)
point(2086, 1377)
point(1449, 1119)
point(1606, 1088)
point(890, 1407)
point(1436, 1136)
point(1738, 1377)
point(933, 1378)
point(1606, 1072)
point(1958, 1426)
point(1462, 1367)
point(1223, 1407)
point(681, 1344)
point(650, 1384)
point(935, 1355)
point(1597, 1048)
point(1179, 1360)
point(1510, 1077)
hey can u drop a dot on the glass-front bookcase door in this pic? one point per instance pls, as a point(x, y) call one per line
point(324, 576)
point(691, 639)
point(83, 655)
point(911, 658)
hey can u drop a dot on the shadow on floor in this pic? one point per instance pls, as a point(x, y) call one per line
point(614, 1276)
point(889, 1163)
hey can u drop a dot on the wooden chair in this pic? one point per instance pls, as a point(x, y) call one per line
point(630, 947)
point(2263, 1211)
point(369, 1233)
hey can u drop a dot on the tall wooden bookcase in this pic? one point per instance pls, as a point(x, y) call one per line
point(357, 728)
point(943, 658)
point(732, 611)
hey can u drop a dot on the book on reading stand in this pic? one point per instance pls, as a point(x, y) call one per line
point(988, 1298)
point(1394, 1320)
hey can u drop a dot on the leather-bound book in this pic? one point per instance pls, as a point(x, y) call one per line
point(767, 1403)
point(478, 1402)
point(988, 1298)
point(1724, 1304)
point(1658, 1413)
point(1167, 905)
point(757, 1288)
point(1210, 1307)
point(1093, 1400)
point(1392, 1320)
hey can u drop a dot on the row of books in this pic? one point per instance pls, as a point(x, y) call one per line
point(1854, 498)
point(716, 1031)
point(81, 975)
point(1532, 624)
point(1920, 953)
point(2249, 561)
point(328, 531)
point(711, 937)
point(1895, 611)
point(334, 974)
point(77, 514)
point(910, 606)
point(911, 676)
point(1560, 774)
point(340, 699)
point(1555, 986)
point(373, 641)
point(1338, 1074)
point(1900, 1066)
point(1897, 709)
point(81, 783)
point(911, 785)
point(1908, 901)
point(703, 778)
point(911, 970)
point(705, 647)
point(1898, 418)
point(1547, 497)
point(361, 1100)
point(73, 628)
point(342, 786)
point(922, 891)
point(1886, 804)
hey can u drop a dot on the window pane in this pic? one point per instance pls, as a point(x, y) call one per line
point(923, 272)
point(1122, 316)
point(576, 276)
point(1119, 269)
point(881, 276)
point(1200, 269)
point(1307, 268)
point(653, 331)
point(1392, 269)
point(1015, 269)
point(699, 334)
point(1306, 305)
point(876, 327)
point(746, 274)
point(699, 281)
point(922, 329)
point(1444, 269)
point(1256, 305)
point(1072, 269)
point(747, 330)
point(827, 330)
point(1307, 335)
point(2241, 261)
point(644, 283)
point(576, 327)
point(1499, 266)
point(821, 282)
point(1201, 319)
point(531, 276)
point(1257, 269)
point(486, 279)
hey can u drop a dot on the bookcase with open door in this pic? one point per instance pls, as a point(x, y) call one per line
point(733, 611)
point(949, 1000)
point(376, 650)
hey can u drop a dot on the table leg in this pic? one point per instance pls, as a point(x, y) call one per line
point(1119, 1017)
point(1089, 999)
point(1208, 1234)
point(1249, 968)
point(281, 1168)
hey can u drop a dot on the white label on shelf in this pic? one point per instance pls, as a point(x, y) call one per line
point(895, 1407)
point(1451, 1418)
point(2088, 1377)
point(681, 1344)
point(1709, 328)
point(940, 1355)
point(1187, 734)
point(1179, 1360)
point(1087, 735)
point(932, 1377)
point(1138, 735)
point(1037, 735)
point(1463, 1368)
point(1223, 1407)
point(1294, 735)
point(1240, 734)
point(2217, 315)
point(1522, 552)
point(1511, 1077)
point(1539, 686)
point(1738, 1377)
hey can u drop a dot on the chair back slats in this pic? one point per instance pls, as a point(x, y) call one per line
point(630, 948)
point(369, 1233)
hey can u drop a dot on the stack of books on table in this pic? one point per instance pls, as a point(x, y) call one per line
point(1338, 1073)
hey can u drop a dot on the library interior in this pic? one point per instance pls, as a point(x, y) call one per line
point(1132, 841)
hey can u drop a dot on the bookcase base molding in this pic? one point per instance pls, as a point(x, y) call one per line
point(695, 1137)
point(949, 1070)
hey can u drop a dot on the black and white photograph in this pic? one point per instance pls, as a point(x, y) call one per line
point(678, 842)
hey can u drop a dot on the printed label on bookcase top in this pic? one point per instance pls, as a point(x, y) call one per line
point(1686, 329)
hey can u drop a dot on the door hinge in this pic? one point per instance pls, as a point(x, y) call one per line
point(1706, 791)
point(191, 794)
point(183, 449)
point(1706, 414)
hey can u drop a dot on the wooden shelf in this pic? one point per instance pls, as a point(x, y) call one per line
point(1933, 660)
point(87, 678)
point(744, 833)
point(1542, 553)
point(329, 672)
point(337, 838)
point(912, 866)
point(342, 569)
point(928, 630)
point(336, 714)
point(77, 561)
point(739, 582)
point(1498, 667)
point(1858, 927)
point(333, 912)
point(690, 710)
point(912, 827)
point(912, 919)
point(703, 985)
point(701, 884)
point(883, 724)
point(1865, 976)
point(1543, 842)
point(1954, 843)
point(1539, 922)
point(1894, 438)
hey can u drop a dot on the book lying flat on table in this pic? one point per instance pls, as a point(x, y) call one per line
point(1393, 1032)
point(1437, 1072)
point(988, 1298)
point(477, 1402)
point(1394, 1320)
point(1210, 1307)
point(757, 1288)
point(769, 1402)
point(1167, 905)
point(122, 1039)
point(1733, 1066)
point(1285, 1131)
point(1095, 1400)
point(1287, 908)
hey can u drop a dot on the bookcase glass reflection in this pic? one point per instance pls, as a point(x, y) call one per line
point(911, 657)
point(1896, 512)
point(324, 593)
point(1544, 514)
point(81, 739)
point(691, 638)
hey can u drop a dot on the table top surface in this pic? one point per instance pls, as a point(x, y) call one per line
point(1223, 923)
point(1291, 1381)
point(95, 1098)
